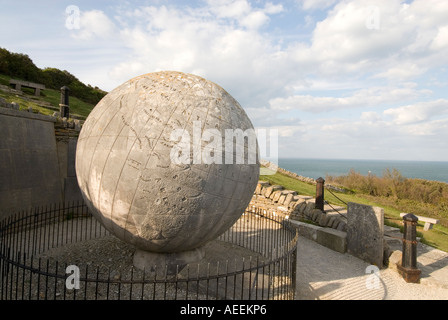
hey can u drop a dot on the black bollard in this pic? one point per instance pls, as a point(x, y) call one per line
point(408, 268)
point(320, 193)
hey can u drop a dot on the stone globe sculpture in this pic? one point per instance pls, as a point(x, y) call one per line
point(156, 166)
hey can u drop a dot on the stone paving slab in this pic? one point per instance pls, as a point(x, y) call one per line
point(324, 274)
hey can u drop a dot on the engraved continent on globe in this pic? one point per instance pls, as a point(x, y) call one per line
point(128, 179)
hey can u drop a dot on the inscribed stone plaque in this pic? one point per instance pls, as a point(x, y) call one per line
point(365, 229)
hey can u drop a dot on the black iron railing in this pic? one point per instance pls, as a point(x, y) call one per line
point(61, 252)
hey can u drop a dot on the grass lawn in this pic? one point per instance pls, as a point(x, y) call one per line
point(436, 237)
point(77, 107)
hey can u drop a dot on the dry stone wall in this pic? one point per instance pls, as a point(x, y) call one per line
point(279, 201)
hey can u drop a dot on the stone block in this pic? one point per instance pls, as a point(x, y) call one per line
point(308, 209)
point(273, 194)
point(323, 219)
point(288, 198)
point(330, 221)
point(271, 189)
point(365, 232)
point(263, 190)
point(297, 204)
point(315, 215)
point(282, 199)
point(342, 226)
point(301, 206)
point(268, 191)
point(260, 186)
point(276, 196)
point(335, 223)
point(306, 230)
point(332, 239)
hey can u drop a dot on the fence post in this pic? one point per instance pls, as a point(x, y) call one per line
point(408, 268)
point(64, 108)
point(320, 193)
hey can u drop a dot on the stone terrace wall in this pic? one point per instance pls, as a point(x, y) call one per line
point(36, 159)
point(279, 201)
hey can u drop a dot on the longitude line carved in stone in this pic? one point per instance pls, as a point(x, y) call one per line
point(149, 158)
point(107, 158)
point(188, 121)
point(99, 138)
point(124, 164)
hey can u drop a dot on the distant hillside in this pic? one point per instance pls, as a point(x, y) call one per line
point(20, 66)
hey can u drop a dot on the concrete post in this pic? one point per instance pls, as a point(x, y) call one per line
point(64, 108)
point(408, 268)
point(320, 193)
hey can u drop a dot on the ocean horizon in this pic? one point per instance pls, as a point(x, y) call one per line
point(315, 168)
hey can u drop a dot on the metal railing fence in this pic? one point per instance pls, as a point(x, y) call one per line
point(42, 258)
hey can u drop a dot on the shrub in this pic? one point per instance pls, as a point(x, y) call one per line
point(422, 197)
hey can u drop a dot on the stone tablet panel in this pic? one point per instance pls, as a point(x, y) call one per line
point(365, 232)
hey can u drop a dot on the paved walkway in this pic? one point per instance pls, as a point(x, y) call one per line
point(324, 274)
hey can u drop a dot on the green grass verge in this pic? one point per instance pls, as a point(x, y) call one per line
point(77, 107)
point(436, 237)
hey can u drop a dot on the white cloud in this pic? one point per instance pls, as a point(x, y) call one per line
point(441, 39)
point(255, 20)
point(316, 4)
point(229, 8)
point(418, 112)
point(202, 41)
point(402, 71)
point(347, 64)
point(94, 23)
point(370, 116)
point(271, 8)
point(362, 98)
point(407, 35)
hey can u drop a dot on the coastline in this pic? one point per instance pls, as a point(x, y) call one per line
point(410, 169)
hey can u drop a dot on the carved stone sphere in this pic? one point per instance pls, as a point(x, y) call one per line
point(145, 181)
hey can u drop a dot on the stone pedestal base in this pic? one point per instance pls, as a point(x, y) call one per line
point(166, 263)
point(409, 275)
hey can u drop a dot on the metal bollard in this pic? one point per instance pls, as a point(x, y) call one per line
point(408, 268)
point(320, 193)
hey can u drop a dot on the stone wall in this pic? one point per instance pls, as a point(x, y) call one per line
point(299, 207)
point(36, 160)
point(359, 231)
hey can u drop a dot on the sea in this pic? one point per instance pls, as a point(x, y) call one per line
point(315, 168)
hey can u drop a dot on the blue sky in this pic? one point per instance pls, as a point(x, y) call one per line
point(354, 79)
